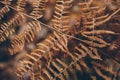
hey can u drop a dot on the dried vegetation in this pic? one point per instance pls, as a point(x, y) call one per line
point(60, 39)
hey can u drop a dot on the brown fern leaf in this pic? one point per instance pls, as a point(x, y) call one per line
point(3, 11)
point(55, 58)
point(101, 74)
point(39, 53)
point(6, 2)
point(92, 52)
point(28, 35)
point(16, 45)
point(7, 28)
point(59, 68)
point(106, 72)
point(105, 19)
point(58, 14)
point(44, 49)
point(38, 7)
point(95, 39)
point(21, 5)
point(61, 15)
point(98, 32)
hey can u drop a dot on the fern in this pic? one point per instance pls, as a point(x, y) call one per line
point(110, 74)
point(3, 11)
point(55, 57)
point(11, 24)
point(28, 35)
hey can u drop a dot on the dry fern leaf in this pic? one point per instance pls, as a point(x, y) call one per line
point(98, 32)
point(34, 59)
point(28, 35)
point(6, 2)
point(107, 18)
point(55, 41)
point(108, 69)
point(38, 7)
point(61, 14)
point(31, 8)
point(95, 39)
point(43, 50)
point(85, 5)
point(93, 54)
point(34, 28)
point(58, 14)
point(16, 45)
point(93, 18)
point(101, 74)
point(4, 11)
point(58, 66)
point(93, 44)
point(7, 28)
point(53, 67)
point(80, 52)
point(21, 5)
point(88, 22)
point(62, 68)
point(104, 70)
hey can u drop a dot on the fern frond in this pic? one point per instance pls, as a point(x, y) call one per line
point(92, 44)
point(16, 45)
point(3, 11)
point(90, 52)
point(106, 72)
point(108, 69)
point(58, 14)
point(35, 10)
point(28, 35)
point(61, 18)
point(44, 49)
point(63, 67)
point(6, 2)
point(55, 57)
point(98, 32)
point(21, 5)
point(38, 7)
point(101, 74)
point(95, 39)
point(85, 5)
point(7, 28)
point(107, 18)
point(56, 41)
